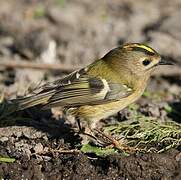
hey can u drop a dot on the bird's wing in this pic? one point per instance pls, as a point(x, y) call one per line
point(76, 89)
point(87, 91)
point(80, 89)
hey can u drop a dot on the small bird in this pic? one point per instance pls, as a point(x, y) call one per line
point(103, 88)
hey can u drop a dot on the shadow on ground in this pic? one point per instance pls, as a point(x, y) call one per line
point(42, 120)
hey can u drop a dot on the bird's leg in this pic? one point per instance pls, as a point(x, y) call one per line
point(85, 132)
point(91, 133)
point(103, 138)
point(79, 125)
point(109, 141)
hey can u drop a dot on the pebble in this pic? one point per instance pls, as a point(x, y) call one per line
point(4, 139)
point(178, 157)
point(47, 158)
point(38, 148)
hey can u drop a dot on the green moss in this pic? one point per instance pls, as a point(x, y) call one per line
point(7, 159)
point(39, 12)
point(61, 3)
point(99, 151)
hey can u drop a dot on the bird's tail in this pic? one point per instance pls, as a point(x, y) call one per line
point(11, 106)
point(33, 100)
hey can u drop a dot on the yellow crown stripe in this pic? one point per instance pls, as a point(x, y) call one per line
point(145, 47)
point(140, 46)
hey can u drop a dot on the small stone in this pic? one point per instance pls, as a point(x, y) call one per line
point(18, 134)
point(4, 139)
point(154, 110)
point(45, 138)
point(46, 149)
point(47, 158)
point(38, 148)
point(178, 157)
point(27, 152)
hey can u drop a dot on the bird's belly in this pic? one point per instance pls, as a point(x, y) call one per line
point(95, 113)
point(98, 112)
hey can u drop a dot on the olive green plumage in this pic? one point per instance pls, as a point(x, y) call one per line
point(102, 88)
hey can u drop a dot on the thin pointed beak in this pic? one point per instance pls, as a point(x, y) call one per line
point(165, 62)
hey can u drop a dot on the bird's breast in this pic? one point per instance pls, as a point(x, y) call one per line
point(97, 112)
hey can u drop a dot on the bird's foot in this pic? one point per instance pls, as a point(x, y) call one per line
point(100, 138)
point(108, 141)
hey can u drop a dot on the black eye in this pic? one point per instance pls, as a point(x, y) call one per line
point(146, 62)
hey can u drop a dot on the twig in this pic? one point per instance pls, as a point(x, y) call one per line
point(63, 151)
point(41, 66)
point(60, 151)
point(169, 71)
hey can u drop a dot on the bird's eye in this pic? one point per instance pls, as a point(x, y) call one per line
point(146, 62)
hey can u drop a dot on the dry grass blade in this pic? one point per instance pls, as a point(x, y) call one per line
point(34, 65)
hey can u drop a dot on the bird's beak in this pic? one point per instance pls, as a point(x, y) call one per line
point(165, 62)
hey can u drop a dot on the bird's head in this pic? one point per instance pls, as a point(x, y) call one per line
point(137, 58)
